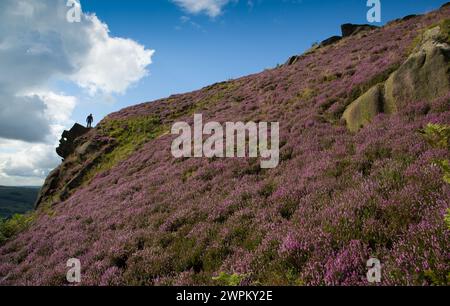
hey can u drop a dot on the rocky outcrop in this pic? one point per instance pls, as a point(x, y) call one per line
point(349, 29)
point(67, 142)
point(424, 76)
point(330, 41)
point(82, 153)
point(292, 60)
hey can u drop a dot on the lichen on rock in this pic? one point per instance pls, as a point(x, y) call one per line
point(423, 76)
point(361, 112)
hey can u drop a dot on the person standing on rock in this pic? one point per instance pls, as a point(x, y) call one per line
point(89, 120)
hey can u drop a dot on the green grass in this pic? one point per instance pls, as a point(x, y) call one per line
point(443, 37)
point(306, 94)
point(447, 218)
point(361, 89)
point(225, 279)
point(15, 225)
point(129, 135)
point(445, 31)
point(439, 137)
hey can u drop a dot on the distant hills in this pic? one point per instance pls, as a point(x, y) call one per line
point(16, 200)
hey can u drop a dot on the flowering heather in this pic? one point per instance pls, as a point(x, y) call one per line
point(142, 217)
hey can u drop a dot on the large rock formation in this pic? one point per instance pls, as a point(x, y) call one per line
point(81, 152)
point(361, 111)
point(423, 76)
point(67, 142)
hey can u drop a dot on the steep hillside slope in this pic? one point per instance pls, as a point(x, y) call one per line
point(135, 215)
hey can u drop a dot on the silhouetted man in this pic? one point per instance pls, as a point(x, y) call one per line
point(89, 120)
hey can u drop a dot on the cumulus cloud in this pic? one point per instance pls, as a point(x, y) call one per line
point(34, 116)
point(23, 118)
point(59, 107)
point(24, 163)
point(38, 46)
point(32, 161)
point(112, 64)
point(212, 8)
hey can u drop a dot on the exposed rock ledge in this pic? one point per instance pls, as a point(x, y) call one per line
point(67, 143)
point(348, 29)
point(81, 149)
point(424, 76)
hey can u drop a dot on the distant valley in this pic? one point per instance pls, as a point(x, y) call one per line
point(16, 200)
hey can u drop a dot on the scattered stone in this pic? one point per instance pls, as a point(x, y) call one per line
point(292, 60)
point(330, 41)
point(349, 29)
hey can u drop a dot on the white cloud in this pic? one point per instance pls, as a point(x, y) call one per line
point(39, 47)
point(38, 44)
point(23, 117)
point(22, 164)
point(212, 8)
point(59, 107)
point(112, 64)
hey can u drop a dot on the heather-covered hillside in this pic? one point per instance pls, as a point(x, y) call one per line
point(134, 215)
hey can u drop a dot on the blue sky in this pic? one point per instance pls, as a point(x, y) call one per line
point(243, 39)
point(55, 72)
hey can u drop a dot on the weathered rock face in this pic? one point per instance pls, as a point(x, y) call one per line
point(292, 60)
point(361, 112)
point(67, 143)
point(349, 29)
point(81, 151)
point(424, 76)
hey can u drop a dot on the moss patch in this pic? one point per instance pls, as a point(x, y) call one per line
point(130, 135)
point(11, 227)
